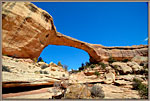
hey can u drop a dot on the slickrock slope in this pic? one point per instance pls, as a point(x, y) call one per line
point(23, 78)
point(19, 75)
point(27, 30)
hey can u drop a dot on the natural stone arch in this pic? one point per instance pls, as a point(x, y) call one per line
point(27, 30)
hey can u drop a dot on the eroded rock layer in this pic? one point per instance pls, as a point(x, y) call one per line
point(27, 30)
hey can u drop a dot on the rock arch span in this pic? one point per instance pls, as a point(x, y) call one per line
point(27, 30)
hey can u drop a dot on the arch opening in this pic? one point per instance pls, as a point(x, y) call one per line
point(70, 56)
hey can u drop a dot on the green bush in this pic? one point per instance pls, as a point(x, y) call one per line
point(63, 75)
point(125, 60)
point(141, 64)
point(111, 60)
point(87, 64)
point(65, 67)
point(102, 65)
point(36, 72)
point(115, 67)
point(41, 72)
point(45, 72)
point(16, 60)
point(92, 65)
point(59, 64)
point(35, 59)
point(40, 59)
point(5, 68)
point(81, 68)
point(97, 73)
point(136, 83)
point(5, 55)
point(142, 88)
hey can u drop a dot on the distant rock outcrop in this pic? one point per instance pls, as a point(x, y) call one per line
point(27, 30)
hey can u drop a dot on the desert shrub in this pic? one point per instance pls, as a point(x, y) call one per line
point(85, 66)
point(97, 91)
point(111, 60)
point(41, 72)
point(141, 64)
point(45, 72)
point(143, 91)
point(102, 65)
point(16, 60)
point(44, 66)
point(5, 55)
point(142, 88)
point(136, 83)
point(115, 67)
point(37, 72)
point(81, 68)
point(125, 60)
point(65, 67)
point(35, 59)
point(97, 73)
point(5, 68)
point(40, 59)
point(82, 65)
point(92, 65)
point(87, 63)
point(63, 75)
point(59, 64)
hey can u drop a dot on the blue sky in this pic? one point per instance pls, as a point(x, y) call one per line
point(106, 23)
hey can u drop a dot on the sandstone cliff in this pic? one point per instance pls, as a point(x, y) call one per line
point(27, 30)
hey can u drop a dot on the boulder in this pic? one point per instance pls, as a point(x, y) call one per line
point(123, 68)
point(135, 66)
point(77, 91)
point(138, 59)
point(89, 73)
point(42, 63)
point(108, 68)
point(53, 64)
point(109, 77)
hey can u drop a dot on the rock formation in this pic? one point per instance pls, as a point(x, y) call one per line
point(27, 30)
point(32, 81)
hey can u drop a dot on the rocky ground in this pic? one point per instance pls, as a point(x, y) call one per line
point(26, 79)
point(27, 29)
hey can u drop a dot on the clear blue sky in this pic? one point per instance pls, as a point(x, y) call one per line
point(106, 23)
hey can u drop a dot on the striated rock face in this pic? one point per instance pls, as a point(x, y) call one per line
point(30, 74)
point(27, 30)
